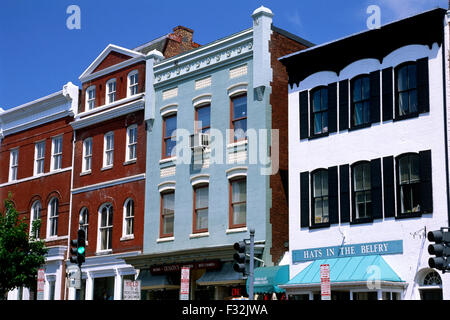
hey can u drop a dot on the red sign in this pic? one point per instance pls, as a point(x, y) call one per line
point(325, 287)
point(40, 280)
point(184, 284)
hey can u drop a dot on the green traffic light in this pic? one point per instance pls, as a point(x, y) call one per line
point(81, 250)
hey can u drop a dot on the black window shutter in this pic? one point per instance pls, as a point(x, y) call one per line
point(388, 94)
point(304, 114)
point(375, 96)
point(332, 107)
point(426, 190)
point(389, 187)
point(344, 193)
point(423, 98)
point(343, 105)
point(333, 205)
point(304, 199)
point(375, 180)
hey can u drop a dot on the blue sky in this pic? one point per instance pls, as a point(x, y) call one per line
point(39, 54)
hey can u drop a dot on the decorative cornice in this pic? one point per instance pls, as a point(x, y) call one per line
point(109, 183)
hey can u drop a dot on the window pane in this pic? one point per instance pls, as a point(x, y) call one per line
point(239, 213)
point(318, 210)
point(403, 103)
point(402, 80)
point(358, 115)
point(324, 99)
point(412, 76)
point(358, 178)
point(317, 123)
point(413, 101)
point(203, 116)
point(324, 183)
point(202, 219)
point(170, 126)
point(357, 90)
point(240, 129)
point(366, 112)
point(366, 88)
point(201, 197)
point(316, 101)
point(170, 147)
point(168, 203)
point(240, 107)
point(239, 192)
point(168, 224)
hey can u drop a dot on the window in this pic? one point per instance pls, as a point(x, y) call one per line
point(169, 136)
point(13, 164)
point(128, 225)
point(133, 83)
point(108, 157)
point(84, 221)
point(409, 183)
point(362, 196)
point(239, 117)
point(90, 98)
point(320, 196)
point(111, 91)
point(167, 213)
point(319, 107)
point(238, 203)
point(105, 230)
point(35, 215)
point(431, 286)
point(57, 152)
point(87, 155)
point(406, 86)
point(52, 229)
point(203, 119)
point(39, 157)
point(131, 142)
point(361, 101)
point(201, 194)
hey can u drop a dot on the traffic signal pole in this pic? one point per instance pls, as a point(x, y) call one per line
point(252, 264)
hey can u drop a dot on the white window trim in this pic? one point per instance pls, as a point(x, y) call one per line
point(99, 237)
point(33, 218)
point(85, 155)
point(36, 159)
point(128, 158)
point(89, 100)
point(13, 167)
point(126, 236)
point(84, 209)
point(49, 217)
point(105, 150)
point(55, 155)
point(107, 92)
point(129, 85)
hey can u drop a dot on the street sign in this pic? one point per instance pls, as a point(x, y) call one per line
point(184, 285)
point(40, 284)
point(132, 290)
point(325, 287)
point(75, 279)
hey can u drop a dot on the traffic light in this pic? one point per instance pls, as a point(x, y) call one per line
point(78, 248)
point(441, 249)
point(239, 257)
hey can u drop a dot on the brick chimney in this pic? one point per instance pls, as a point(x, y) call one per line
point(181, 40)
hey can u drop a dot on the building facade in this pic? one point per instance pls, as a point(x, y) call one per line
point(368, 169)
point(217, 161)
point(36, 157)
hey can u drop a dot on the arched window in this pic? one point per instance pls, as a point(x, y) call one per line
point(84, 220)
point(431, 286)
point(406, 89)
point(128, 218)
point(110, 91)
point(362, 197)
point(35, 215)
point(105, 228)
point(52, 224)
point(90, 98)
point(133, 83)
point(360, 100)
point(320, 196)
point(319, 110)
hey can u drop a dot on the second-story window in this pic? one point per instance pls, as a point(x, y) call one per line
point(320, 196)
point(201, 195)
point(90, 98)
point(360, 101)
point(39, 157)
point(57, 152)
point(52, 229)
point(409, 183)
point(203, 118)
point(362, 196)
point(239, 117)
point(36, 210)
point(169, 136)
point(108, 156)
point(167, 213)
point(128, 223)
point(87, 155)
point(406, 87)
point(131, 142)
point(133, 83)
point(84, 220)
point(238, 203)
point(111, 91)
point(319, 107)
point(105, 228)
point(13, 164)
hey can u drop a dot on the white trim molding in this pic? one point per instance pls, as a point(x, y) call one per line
point(236, 172)
point(237, 88)
point(199, 178)
point(168, 109)
point(166, 185)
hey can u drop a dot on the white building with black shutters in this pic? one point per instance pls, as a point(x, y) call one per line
point(368, 161)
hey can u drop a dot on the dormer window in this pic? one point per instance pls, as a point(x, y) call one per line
point(90, 97)
point(111, 91)
point(133, 83)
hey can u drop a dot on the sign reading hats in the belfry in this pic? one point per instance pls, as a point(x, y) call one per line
point(350, 250)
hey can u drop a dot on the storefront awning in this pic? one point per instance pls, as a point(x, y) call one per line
point(267, 279)
point(351, 270)
point(225, 276)
point(155, 282)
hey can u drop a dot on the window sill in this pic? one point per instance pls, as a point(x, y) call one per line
point(236, 230)
point(320, 225)
point(199, 235)
point(406, 116)
point(128, 162)
point(167, 239)
point(103, 252)
point(237, 143)
point(317, 136)
point(361, 221)
point(85, 173)
point(128, 237)
point(166, 160)
point(55, 238)
point(106, 168)
point(411, 215)
point(361, 126)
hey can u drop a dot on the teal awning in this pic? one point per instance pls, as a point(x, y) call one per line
point(155, 282)
point(225, 276)
point(351, 269)
point(267, 279)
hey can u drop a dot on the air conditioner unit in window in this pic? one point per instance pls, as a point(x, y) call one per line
point(199, 141)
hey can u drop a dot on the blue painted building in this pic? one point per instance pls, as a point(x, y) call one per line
point(216, 158)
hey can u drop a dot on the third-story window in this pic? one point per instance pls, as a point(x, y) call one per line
point(128, 218)
point(84, 221)
point(106, 225)
point(409, 183)
point(319, 107)
point(362, 196)
point(133, 83)
point(131, 142)
point(239, 117)
point(167, 213)
point(201, 195)
point(108, 156)
point(87, 154)
point(39, 157)
point(203, 118)
point(13, 164)
point(320, 196)
point(111, 91)
point(406, 94)
point(90, 97)
point(52, 228)
point(360, 101)
point(169, 138)
point(238, 203)
point(57, 152)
